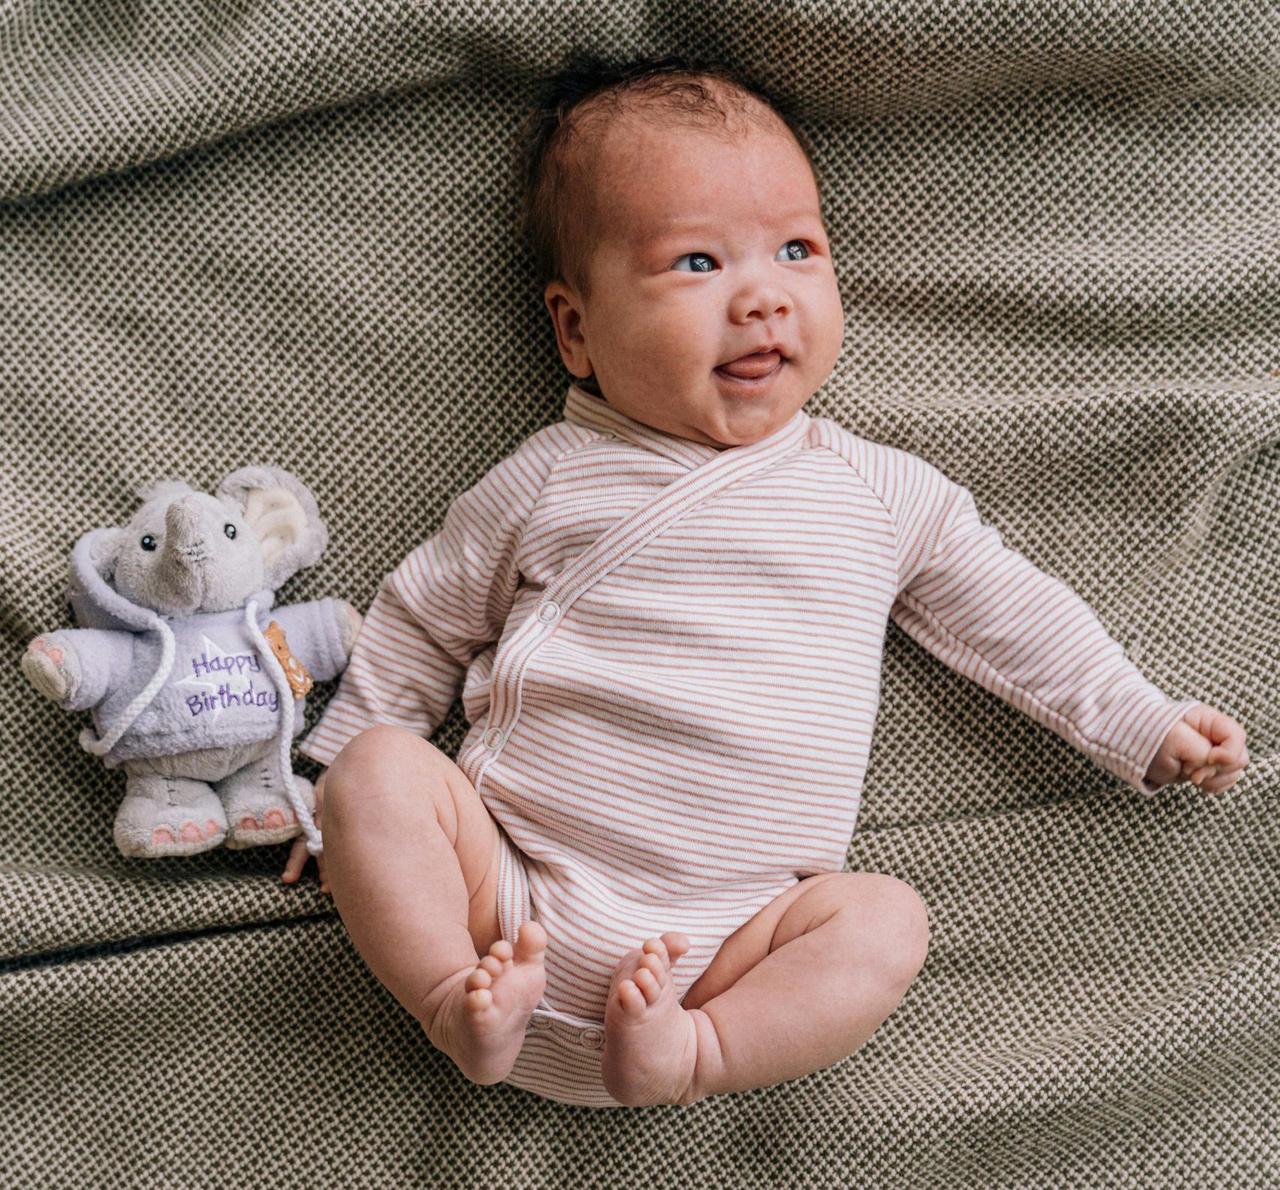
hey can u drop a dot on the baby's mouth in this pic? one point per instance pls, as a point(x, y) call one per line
point(751, 367)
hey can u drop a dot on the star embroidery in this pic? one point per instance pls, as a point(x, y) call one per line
point(216, 670)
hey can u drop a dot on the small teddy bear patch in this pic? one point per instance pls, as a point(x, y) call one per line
point(299, 680)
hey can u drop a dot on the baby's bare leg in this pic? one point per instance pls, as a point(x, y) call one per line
point(797, 988)
point(411, 856)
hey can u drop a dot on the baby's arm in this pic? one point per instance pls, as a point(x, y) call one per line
point(990, 613)
point(446, 601)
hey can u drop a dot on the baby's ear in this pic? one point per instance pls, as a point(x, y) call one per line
point(283, 515)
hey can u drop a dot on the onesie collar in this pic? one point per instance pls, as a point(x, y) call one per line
point(586, 409)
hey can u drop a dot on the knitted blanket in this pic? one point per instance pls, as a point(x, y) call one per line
point(285, 232)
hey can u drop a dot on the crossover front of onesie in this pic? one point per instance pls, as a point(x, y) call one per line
point(670, 657)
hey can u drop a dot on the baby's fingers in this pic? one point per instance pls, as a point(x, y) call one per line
point(1229, 757)
point(1213, 780)
point(297, 860)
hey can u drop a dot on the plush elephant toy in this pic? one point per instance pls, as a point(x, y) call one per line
point(195, 684)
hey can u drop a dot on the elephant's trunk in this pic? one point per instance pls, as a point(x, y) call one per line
point(181, 570)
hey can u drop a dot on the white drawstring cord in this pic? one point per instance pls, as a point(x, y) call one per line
point(315, 843)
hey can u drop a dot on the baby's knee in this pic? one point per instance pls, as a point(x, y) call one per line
point(891, 919)
point(374, 765)
point(908, 919)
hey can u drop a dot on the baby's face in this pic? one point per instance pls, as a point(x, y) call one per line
point(707, 250)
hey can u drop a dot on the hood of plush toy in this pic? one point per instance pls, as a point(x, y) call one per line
point(97, 604)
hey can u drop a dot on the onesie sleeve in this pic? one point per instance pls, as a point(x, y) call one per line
point(988, 612)
point(442, 604)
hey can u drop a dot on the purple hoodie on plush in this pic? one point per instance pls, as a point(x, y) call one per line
point(217, 690)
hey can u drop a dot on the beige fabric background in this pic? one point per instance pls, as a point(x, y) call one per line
point(285, 233)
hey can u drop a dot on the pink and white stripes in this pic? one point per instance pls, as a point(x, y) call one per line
point(670, 659)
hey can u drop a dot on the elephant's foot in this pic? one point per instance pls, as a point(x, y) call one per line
point(163, 816)
point(190, 838)
point(259, 815)
point(275, 826)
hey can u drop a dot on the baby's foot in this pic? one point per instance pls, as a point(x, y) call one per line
point(650, 1041)
point(481, 1012)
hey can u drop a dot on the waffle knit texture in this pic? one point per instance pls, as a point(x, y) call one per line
point(286, 232)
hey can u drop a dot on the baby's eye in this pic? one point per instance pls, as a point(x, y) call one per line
point(703, 262)
point(790, 254)
point(696, 268)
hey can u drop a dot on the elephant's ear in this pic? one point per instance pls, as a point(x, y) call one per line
point(283, 514)
point(104, 551)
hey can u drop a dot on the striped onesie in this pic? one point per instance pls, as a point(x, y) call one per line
point(669, 655)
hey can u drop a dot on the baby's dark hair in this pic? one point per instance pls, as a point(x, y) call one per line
point(557, 139)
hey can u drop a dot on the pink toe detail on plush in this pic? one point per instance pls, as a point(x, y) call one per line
point(162, 834)
point(273, 818)
point(191, 833)
point(55, 655)
point(38, 643)
point(211, 828)
point(248, 824)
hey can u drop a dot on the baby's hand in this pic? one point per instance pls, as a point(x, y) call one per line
point(298, 853)
point(1206, 748)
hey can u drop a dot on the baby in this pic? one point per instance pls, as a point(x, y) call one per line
point(666, 615)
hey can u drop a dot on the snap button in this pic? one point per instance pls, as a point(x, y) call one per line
point(592, 1038)
point(541, 1024)
point(493, 737)
point(548, 611)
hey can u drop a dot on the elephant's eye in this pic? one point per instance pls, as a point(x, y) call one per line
point(230, 531)
point(148, 542)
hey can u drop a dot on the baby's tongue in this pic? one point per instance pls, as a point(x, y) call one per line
point(751, 367)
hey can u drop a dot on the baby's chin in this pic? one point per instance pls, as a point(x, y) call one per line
point(718, 419)
point(744, 427)
point(725, 441)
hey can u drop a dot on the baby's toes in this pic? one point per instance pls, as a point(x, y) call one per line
point(501, 950)
point(649, 982)
point(660, 968)
point(655, 968)
point(669, 947)
point(531, 941)
point(655, 949)
point(631, 998)
point(479, 985)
